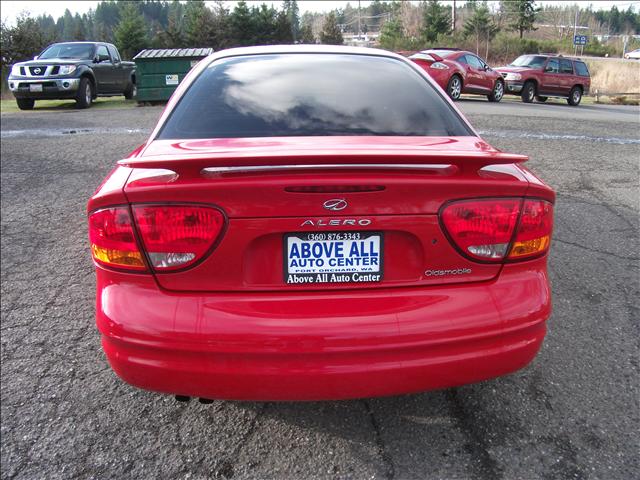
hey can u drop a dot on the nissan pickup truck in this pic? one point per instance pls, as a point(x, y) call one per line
point(80, 71)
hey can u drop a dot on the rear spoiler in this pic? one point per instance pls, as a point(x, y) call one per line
point(194, 164)
point(427, 57)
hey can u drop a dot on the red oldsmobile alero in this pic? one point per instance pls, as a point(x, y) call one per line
point(315, 222)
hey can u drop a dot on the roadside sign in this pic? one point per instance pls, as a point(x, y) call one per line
point(579, 39)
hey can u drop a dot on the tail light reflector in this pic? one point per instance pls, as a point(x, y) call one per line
point(485, 229)
point(113, 242)
point(177, 236)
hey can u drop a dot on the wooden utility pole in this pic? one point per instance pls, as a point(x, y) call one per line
point(359, 29)
point(453, 16)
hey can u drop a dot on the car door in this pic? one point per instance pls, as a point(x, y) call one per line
point(103, 70)
point(119, 73)
point(487, 76)
point(550, 79)
point(566, 77)
point(476, 71)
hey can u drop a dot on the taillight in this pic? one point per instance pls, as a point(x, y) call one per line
point(177, 236)
point(485, 229)
point(534, 230)
point(113, 242)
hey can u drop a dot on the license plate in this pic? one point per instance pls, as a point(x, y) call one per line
point(333, 257)
point(35, 87)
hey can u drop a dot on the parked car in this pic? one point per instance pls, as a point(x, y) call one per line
point(633, 54)
point(542, 76)
point(72, 70)
point(458, 71)
point(286, 234)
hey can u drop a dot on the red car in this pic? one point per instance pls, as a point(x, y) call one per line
point(542, 76)
point(458, 72)
point(316, 222)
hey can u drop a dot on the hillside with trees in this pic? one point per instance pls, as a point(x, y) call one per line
point(498, 30)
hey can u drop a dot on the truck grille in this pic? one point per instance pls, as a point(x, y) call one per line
point(38, 71)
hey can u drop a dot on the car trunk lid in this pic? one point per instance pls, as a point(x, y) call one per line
point(382, 195)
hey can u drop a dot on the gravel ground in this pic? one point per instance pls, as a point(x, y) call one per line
point(573, 413)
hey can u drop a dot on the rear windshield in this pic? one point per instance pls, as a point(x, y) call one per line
point(311, 95)
point(533, 61)
point(581, 69)
point(69, 50)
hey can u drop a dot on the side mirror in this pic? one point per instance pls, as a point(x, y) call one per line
point(36, 57)
point(487, 68)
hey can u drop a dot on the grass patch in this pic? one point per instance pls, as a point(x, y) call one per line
point(614, 76)
point(7, 106)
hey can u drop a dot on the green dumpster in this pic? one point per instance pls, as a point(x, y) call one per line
point(159, 71)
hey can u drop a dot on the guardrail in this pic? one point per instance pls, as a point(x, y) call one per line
point(597, 94)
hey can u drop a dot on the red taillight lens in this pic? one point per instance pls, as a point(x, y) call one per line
point(484, 229)
point(176, 236)
point(112, 239)
point(534, 230)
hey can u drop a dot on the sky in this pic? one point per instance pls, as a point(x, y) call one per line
point(10, 9)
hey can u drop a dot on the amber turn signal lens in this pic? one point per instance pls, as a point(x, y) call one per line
point(529, 247)
point(117, 257)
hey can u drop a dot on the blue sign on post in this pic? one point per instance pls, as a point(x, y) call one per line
point(579, 39)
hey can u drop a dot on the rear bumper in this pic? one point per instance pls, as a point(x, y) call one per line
point(336, 345)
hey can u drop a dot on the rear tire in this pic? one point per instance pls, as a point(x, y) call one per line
point(84, 97)
point(498, 92)
point(25, 103)
point(528, 92)
point(541, 99)
point(575, 96)
point(131, 91)
point(454, 87)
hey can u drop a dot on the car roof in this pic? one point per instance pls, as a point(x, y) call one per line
point(282, 49)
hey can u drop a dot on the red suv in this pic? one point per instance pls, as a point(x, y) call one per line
point(542, 76)
point(458, 71)
point(286, 234)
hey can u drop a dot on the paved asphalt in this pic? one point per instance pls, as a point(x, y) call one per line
point(573, 413)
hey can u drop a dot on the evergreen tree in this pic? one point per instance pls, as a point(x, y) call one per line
point(480, 25)
point(265, 23)
point(68, 26)
point(392, 34)
point(198, 25)
point(241, 25)
point(173, 35)
point(436, 20)
point(131, 32)
point(331, 34)
point(306, 34)
point(293, 15)
point(220, 28)
point(283, 29)
point(522, 14)
point(78, 29)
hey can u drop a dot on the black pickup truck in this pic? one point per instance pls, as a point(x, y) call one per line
point(72, 70)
